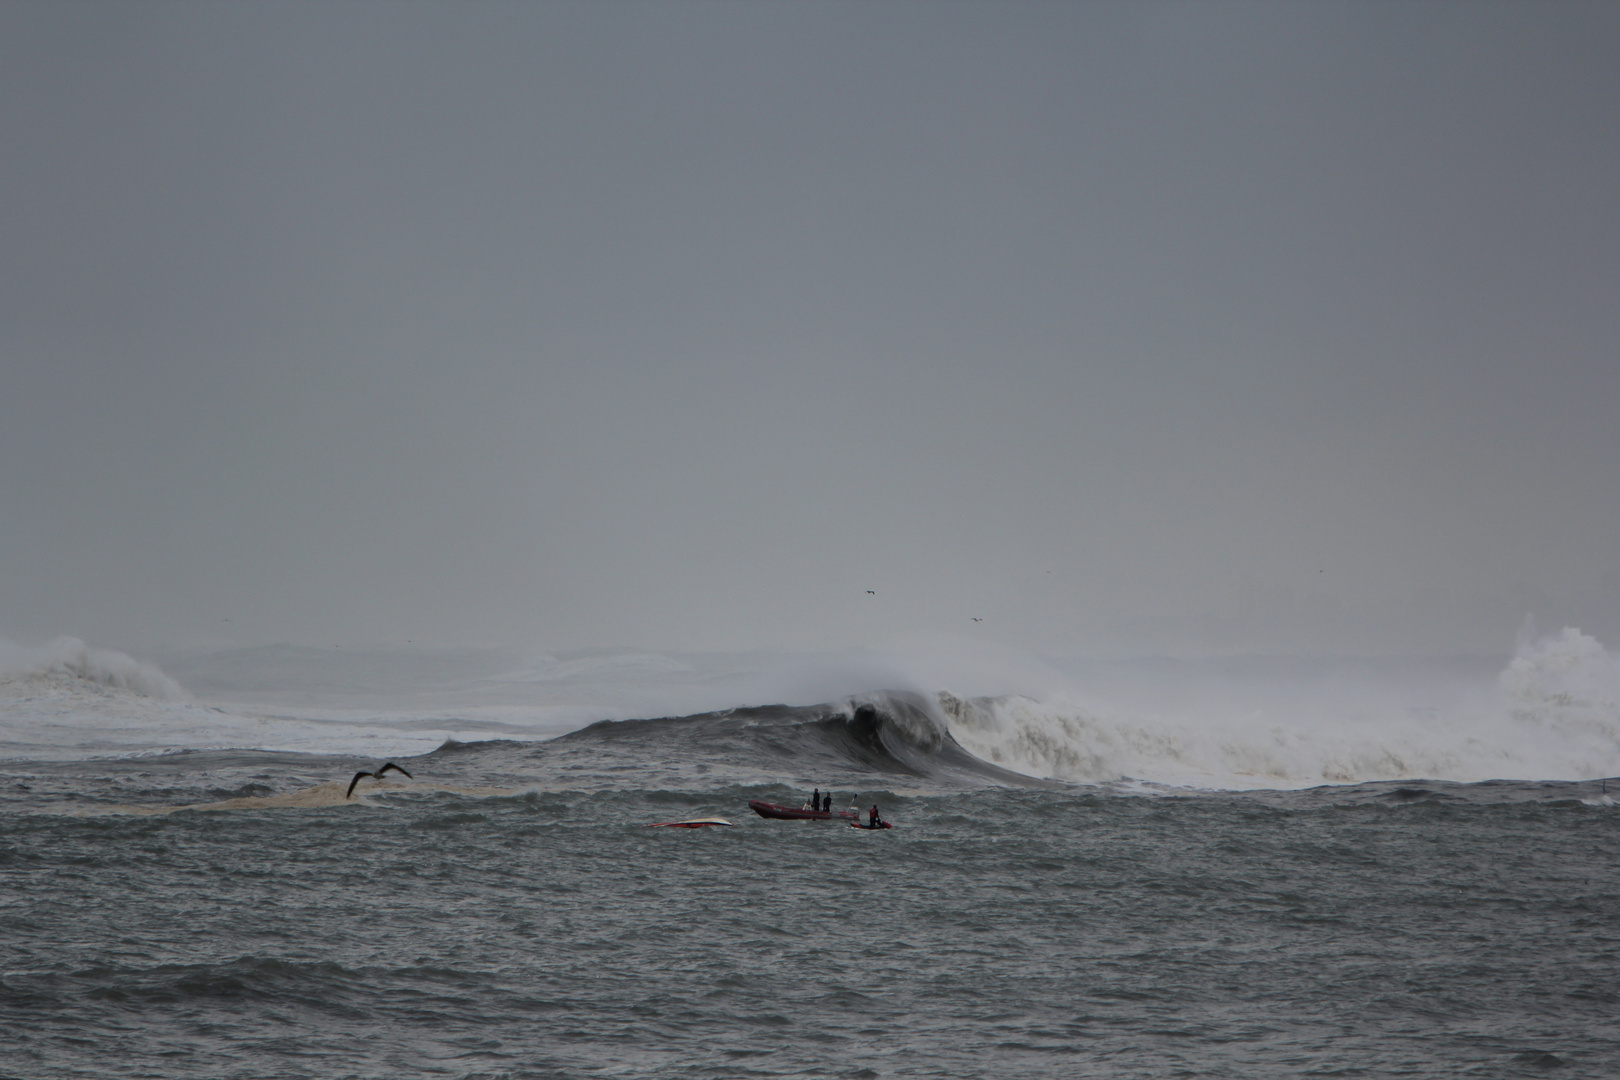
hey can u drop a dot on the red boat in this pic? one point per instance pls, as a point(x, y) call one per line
point(793, 813)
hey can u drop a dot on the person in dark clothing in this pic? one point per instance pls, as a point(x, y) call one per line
point(815, 799)
point(874, 819)
point(826, 803)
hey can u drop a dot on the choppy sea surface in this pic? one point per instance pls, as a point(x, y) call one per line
point(1256, 871)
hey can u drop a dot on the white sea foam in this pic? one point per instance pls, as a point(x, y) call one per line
point(70, 657)
point(1553, 713)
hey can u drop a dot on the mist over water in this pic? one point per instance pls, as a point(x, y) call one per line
point(1550, 712)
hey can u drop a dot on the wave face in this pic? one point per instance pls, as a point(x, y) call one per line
point(896, 735)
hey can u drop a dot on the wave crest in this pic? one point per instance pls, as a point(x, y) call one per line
point(1565, 680)
point(70, 657)
point(1554, 714)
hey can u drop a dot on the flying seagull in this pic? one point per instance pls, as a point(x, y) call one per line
point(871, 592)
point(975, 618)
point(378, 774)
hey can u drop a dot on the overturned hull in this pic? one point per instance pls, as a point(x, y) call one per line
point(777, 810)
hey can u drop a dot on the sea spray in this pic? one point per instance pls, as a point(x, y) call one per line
point(1554, 713)
point(68, 656)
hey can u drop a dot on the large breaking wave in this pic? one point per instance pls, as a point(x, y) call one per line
point(1551, 713)
point(891, 734)
point(68, 661)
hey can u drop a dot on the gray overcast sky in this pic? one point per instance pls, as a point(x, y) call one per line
point(1124, 327)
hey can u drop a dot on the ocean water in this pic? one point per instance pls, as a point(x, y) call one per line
point(1244, 869)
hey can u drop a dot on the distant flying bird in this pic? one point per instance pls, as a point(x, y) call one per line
point(378, 774)
point(975, 619)
point(870, 592)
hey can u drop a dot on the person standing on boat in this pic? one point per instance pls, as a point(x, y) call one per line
point(826, 803)
point(815, 799)
point(874, 818)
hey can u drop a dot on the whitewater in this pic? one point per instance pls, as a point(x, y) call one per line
point(1550, 712)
